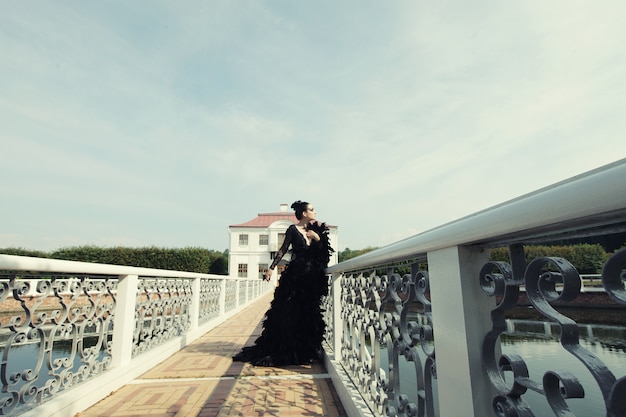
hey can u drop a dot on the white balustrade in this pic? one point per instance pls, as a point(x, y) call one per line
point(72, 332)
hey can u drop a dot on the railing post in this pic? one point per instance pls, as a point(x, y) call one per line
point(194, 309)
point(124, 328)
point(461, 318)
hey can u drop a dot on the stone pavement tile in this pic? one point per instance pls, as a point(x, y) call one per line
point(234, 331)
point(201, 380)
point(203, 358)
point(281, 397)
point(211, 354)
point(174, 398)
point(262, 371)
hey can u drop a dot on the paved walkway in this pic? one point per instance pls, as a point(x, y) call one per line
point(202, 381)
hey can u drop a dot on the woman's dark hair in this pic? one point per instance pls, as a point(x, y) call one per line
point(299, 207)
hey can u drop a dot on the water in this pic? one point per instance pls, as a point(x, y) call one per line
point(540, 349)
point(543, 352)
point(24, 357)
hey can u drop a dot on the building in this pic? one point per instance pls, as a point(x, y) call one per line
point(254, 244)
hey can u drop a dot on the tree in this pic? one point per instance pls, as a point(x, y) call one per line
point(347, 253)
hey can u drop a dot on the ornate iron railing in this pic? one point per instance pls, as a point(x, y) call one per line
point(56, 332)
point(433, 307)
point(91, 328)
point(210, 291)
point(540, 278)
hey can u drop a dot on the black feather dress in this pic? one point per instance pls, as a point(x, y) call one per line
point(293, 327)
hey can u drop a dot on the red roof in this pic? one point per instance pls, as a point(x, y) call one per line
point(266, 219)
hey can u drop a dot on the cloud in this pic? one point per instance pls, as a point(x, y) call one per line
point(163, 123)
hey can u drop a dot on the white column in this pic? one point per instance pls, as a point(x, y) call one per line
point(461, 318)
point(124, 328)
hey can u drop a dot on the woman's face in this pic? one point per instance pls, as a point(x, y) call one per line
point(310, 213)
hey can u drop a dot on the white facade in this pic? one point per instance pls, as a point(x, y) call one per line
point(253, 244)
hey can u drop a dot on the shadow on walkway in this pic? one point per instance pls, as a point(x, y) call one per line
point(203, 381)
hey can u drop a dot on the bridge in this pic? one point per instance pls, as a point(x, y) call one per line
point(126, 324)
point(201, 380)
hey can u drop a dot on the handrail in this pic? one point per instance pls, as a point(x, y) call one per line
point(460, 299)
point(23, 263)
point(595, 198)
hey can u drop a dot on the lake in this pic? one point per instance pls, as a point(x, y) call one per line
point(543, 352)
point(535, 341)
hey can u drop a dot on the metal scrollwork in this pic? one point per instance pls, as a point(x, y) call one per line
point(209, 299)
point(547, 280)
point(617, 405)
point(496, 280)
point(393, 312)
point(327, 313)
point(613, 279)
point(230, 298)
point(55, 332)
point(162, 311)
point(389, 308)
point(561, 385)
point(415, 340)
point(614, 276)
point(541, 288)
point(360, 344)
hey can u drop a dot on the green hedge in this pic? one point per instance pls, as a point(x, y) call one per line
point(586, 258)
point(184, 259)
point(24, 252)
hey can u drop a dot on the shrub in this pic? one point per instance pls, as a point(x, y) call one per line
point(24, 252)
point(185, 259)
point(586, 258)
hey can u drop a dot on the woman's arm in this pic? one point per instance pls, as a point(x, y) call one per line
point(281, 252)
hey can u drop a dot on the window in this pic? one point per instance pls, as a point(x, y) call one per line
point(263, 268)
point(242, 270)
point(264, 240)
point(281, 239)
point(243, 240)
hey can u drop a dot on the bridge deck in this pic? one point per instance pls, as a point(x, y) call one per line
point(202, 381)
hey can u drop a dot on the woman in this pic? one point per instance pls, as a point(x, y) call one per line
point(293, 328)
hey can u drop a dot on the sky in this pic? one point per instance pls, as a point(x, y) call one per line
point(160, 123)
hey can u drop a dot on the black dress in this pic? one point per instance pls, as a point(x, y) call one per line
point(293, 327)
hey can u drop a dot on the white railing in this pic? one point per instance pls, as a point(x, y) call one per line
point(72, 332)
point(440, 319)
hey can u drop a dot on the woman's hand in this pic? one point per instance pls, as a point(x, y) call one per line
point(312, 235)
point(268, 275)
